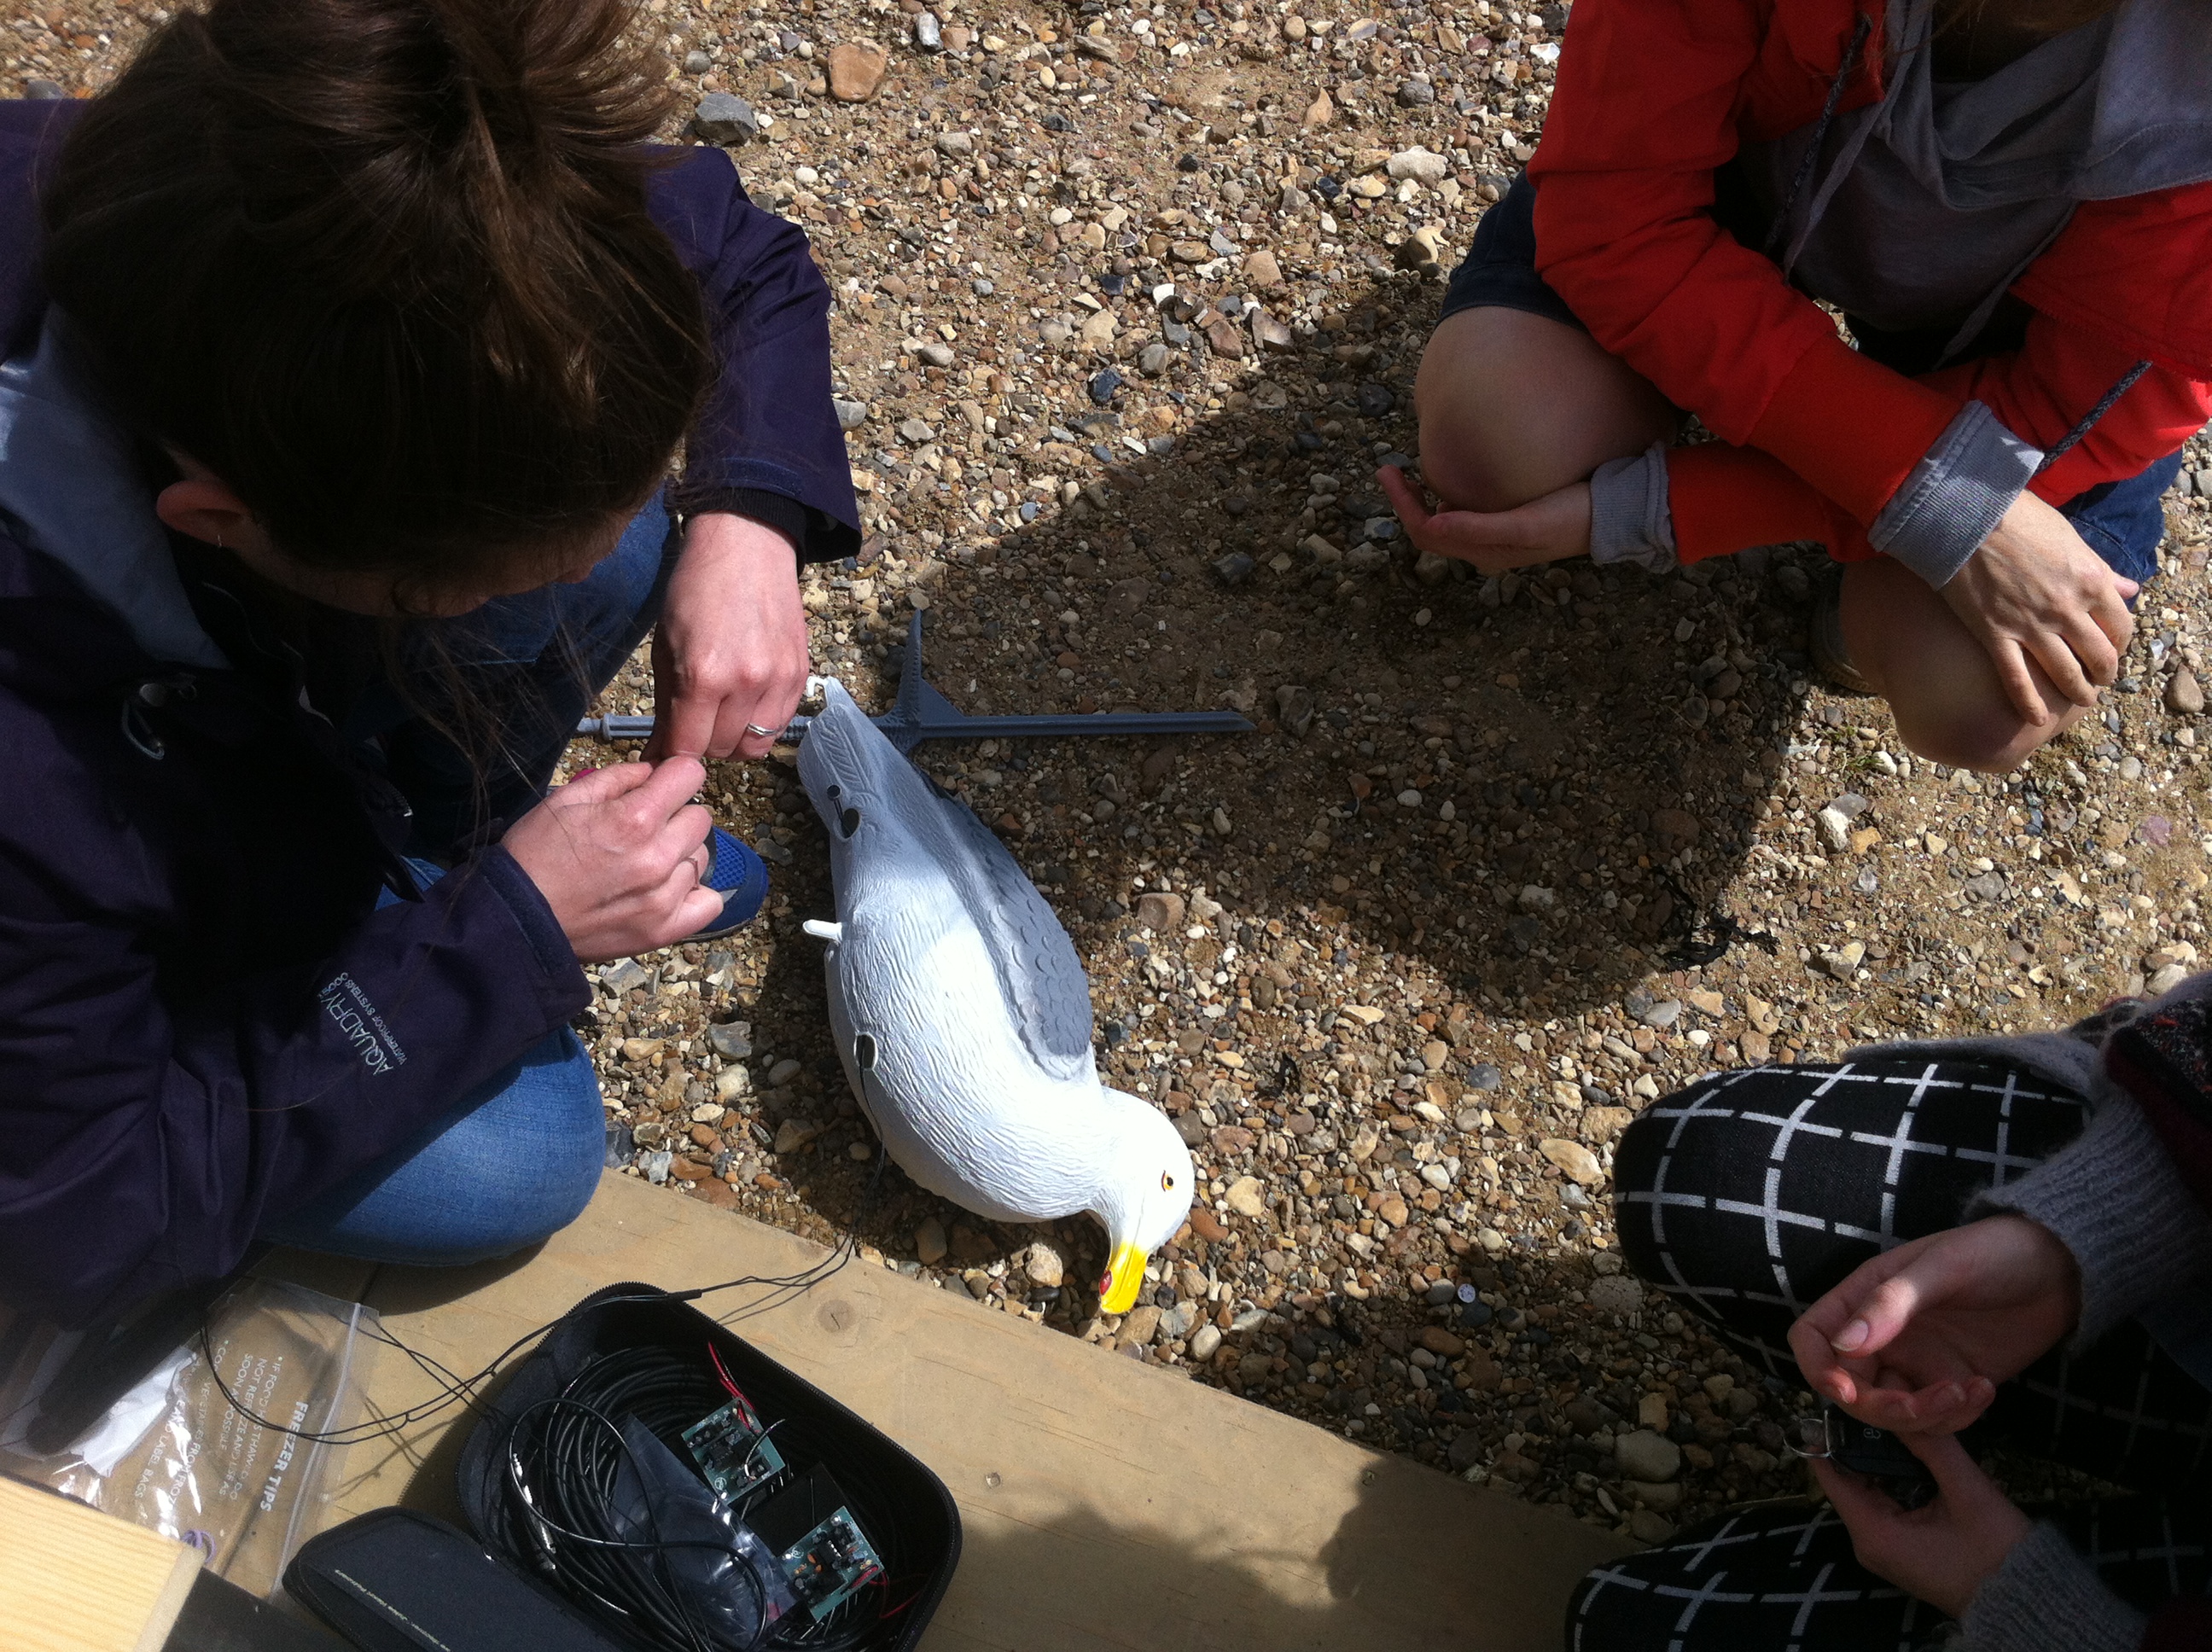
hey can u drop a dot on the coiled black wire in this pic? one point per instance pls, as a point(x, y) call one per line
point(565, 1456)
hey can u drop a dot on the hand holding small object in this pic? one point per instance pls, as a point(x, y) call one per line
point(1546, 530)
point(1943, 1551)
point(1916, 1339)
point(730, 654)
point(618, 855)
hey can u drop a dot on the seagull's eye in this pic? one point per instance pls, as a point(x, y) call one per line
point(836, 791)
point(1167, 1182)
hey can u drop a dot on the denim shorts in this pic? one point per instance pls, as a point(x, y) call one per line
point(1500, 271)
point(2121, 521)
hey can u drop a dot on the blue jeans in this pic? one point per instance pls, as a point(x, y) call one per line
point(515, 1161)
point(534, 661)
point(2124, 521)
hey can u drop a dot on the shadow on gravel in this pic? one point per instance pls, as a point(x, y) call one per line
point(1526, 790)
point(1473, 810)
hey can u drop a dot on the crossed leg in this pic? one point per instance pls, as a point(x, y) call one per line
point(1748, 1196)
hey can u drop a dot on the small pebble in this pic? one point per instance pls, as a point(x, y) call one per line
point(1644, 1456)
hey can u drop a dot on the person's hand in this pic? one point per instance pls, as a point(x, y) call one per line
point(2035, 592)
point(1546, 530)
point(618, 855)
point(1917, 1340)
point(731, 648)
point(1943, 1551)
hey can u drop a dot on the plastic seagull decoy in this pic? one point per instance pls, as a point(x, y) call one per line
point(962, 1015)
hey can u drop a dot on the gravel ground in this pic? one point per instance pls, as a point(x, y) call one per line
point(1129, 305)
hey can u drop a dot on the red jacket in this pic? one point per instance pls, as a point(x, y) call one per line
point(1653, 96)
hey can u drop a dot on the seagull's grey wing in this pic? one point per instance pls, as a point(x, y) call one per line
point(1040, 976)
point(851, 771)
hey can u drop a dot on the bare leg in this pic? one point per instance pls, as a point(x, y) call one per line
point(1941, 688)
point(1514, 406)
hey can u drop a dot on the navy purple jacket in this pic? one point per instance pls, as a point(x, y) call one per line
point(204, 1020)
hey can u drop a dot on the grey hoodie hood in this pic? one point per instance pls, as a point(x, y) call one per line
point(70, 490)
point(1922, 210)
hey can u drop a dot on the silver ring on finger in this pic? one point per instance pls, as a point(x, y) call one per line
point(764, 733)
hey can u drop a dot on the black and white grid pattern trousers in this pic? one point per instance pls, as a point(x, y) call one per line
point(1751, 1194)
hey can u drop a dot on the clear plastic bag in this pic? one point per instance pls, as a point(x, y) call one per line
point(184, 1457)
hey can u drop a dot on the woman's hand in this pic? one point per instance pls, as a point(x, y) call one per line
point(1917, 1340)
point(1943, 1551)
point(618, 855)
point(731, 648)
point(1546, 530)
point(2035, 591)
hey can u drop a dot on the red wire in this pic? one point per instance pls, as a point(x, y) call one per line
point(881, 1580)
point(715, 1354)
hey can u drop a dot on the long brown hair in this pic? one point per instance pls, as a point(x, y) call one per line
point(385, 267)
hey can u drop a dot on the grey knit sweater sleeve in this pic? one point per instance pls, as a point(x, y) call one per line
point(2115, 1201)
point(2046, 1598)
point(1630, 517)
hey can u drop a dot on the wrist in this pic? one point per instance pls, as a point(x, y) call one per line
point(2055, 1263)
point(2113, 1200)
point(721, 535)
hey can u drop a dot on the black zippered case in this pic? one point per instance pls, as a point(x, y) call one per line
point(391, 1577)
point(395, 1581)
point(904, 1509)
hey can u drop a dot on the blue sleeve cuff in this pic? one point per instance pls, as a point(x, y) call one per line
point(549, 943)
point(1955, 495)
point(817, 537)
point(1631, 520)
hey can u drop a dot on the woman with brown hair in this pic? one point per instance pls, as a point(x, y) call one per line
point(2007, 201)
point(344, 348)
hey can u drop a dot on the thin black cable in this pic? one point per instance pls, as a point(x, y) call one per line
point(1812, 156)
point(563, 1455)
point(633, 1582)
point(2127, 382)
point(463, 1390)
point(573, 1467)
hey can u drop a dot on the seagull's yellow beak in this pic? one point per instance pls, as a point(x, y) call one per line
point(1125, 1277)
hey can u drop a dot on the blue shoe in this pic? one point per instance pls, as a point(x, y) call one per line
point(741, 877)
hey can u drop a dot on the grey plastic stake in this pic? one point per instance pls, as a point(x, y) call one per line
point(920, 713)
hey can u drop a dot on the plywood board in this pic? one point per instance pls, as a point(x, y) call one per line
point(74, 1580)
point(1107, 1504)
